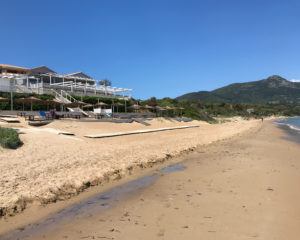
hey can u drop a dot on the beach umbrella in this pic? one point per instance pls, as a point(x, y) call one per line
point(149, 107)
point(52, 102)
point(2, 99)
point(118, 105)
point(168, 108)
point(88, 106)
point(101, 104)
point(158, 108)
point(30, 100)
point(21, 100)
point(135, 107)
point(181, 108)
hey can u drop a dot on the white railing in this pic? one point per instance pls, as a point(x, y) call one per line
point(77, 85)
point(68, 85)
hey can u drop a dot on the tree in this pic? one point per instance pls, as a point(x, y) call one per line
point(152, 102)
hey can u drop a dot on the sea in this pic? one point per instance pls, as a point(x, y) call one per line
point(292, 126)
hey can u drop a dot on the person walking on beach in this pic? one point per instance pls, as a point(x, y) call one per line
point(262, 119)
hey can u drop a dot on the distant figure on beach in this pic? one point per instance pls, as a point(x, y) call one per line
point(262, 119)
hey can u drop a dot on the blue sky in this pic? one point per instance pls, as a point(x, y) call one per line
point(157, 47)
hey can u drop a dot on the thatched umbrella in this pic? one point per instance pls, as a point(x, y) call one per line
point(88, 106)
point(160, 109)
point(149, 107)
point(2, 99)
point(169, 108)
point(181, 108)
point(52, 102)
point(135, 107)
point(118, 105)
point(101, 104)
point(30, 100)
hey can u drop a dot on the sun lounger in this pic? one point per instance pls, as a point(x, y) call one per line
point(141, 121)
point(10, 119)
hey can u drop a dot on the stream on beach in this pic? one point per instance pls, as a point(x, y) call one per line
point(97, 203)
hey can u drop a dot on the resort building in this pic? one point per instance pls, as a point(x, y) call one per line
point(43, 80)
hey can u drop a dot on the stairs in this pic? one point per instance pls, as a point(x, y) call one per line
point(63, 97)
point(22, 89)
point(66, 98)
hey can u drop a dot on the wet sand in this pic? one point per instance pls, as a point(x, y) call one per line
point(245, 187)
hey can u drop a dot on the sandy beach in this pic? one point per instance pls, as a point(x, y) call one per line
point(51, 167)
point(243, 187)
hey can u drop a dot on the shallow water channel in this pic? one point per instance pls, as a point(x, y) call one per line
point(94, 204)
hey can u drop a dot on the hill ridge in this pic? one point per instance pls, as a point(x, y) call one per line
point(273, 89)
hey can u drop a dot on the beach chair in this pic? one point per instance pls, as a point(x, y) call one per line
point(42, 115)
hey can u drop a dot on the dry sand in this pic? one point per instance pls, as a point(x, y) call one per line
point(245, 187)
point(51, 167)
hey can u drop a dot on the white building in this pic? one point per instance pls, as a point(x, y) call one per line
point(43, 80)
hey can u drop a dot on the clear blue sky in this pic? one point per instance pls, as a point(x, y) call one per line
point(157, 47)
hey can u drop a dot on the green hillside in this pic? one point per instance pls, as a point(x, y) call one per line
point(274, 89)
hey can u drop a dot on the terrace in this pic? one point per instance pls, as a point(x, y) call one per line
point(43, 80)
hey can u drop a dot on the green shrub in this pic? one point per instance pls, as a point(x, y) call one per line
point(9, 138)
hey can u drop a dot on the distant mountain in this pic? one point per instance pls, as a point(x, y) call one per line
point(274, 89)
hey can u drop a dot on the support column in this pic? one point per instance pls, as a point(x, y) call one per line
point(11, 96)
point(42, 85)
point(85, 87)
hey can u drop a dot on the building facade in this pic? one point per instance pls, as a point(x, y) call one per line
point(43, 80)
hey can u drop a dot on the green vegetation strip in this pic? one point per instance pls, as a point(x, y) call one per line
point(9, 138)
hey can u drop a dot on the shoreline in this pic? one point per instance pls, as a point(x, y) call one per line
point(189, 160)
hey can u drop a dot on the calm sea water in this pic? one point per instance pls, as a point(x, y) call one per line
point(292, 126)
point(292, 123)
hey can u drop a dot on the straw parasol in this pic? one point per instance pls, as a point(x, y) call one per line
point(88, 106)
point(118, 105)
point(169, 108)
point(158, 108)
point(149, 107)
point(52, 102)
point(101, 104)
point(181, 108)
point(135, 107)
point(2, 99)
point(30, 100)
